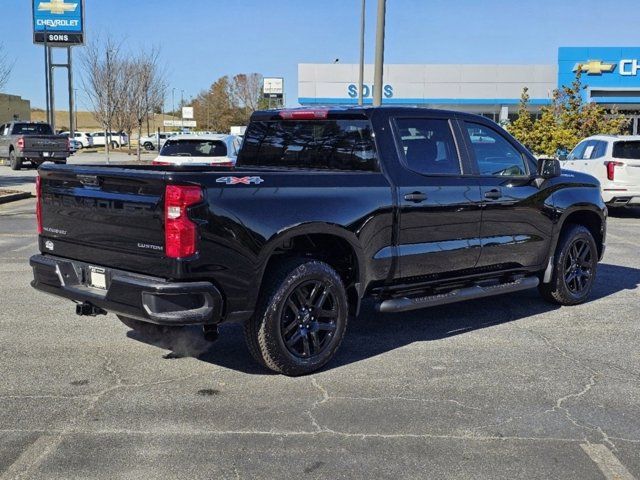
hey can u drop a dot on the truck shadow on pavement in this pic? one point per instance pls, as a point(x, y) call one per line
point(373, 334)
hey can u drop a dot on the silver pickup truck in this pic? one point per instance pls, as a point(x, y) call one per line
point(35, 142)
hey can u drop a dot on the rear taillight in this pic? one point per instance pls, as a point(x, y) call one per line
point(180, 233)
point(20, 143)
point(611, 169)
point(160, 162)
point(39, 204)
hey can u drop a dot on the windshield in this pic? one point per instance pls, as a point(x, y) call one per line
point(194, 148)
point(630, 150)
point(32, 129)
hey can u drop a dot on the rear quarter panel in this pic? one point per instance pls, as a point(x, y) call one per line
point(244, 224)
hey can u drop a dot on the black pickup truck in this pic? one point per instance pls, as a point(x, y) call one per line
point(34, 142)
point(410, 207)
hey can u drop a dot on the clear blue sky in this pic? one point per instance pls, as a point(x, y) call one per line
point(202, 40)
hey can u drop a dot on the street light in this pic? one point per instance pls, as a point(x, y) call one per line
point(377, 76)
point(361, 77)
point(181, 110)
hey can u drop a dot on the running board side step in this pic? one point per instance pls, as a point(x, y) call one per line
point(404, 304)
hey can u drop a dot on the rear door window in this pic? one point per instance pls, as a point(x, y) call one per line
point(628, 149)
point(316, 144)
point(428, 146)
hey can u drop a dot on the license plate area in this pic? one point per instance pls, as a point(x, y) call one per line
point(46, 154)
point(97, 278)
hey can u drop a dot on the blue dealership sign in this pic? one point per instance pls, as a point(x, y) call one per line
point(58, 21)
point(611, 74)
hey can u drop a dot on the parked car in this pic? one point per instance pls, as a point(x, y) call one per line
point(212, 149)
point(408, 207)
point(116, 139)
point(615, 161)
point(74, 146)
point(84, 139)
point(151, 142)
point(34, 142)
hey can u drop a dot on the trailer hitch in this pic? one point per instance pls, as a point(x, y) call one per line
point(87, 309)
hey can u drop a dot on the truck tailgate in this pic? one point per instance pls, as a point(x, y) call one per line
point(45, 143)
point(106, 216)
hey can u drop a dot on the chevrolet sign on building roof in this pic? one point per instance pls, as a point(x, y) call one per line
point(58, 22)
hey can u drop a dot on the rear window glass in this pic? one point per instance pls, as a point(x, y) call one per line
point(194, 148)
point(31, 129)
point(322, 144)
point(629, 150)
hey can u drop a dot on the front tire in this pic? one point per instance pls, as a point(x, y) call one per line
point(574, 270)
point(148, 146)
point(14, 161)
point(301, 318)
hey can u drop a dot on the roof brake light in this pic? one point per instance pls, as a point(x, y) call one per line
point(317, 114)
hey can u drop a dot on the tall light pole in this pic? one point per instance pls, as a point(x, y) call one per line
point(361, 77)
point(75, 104)
point(377, 74)
point(181, 107)
point(107, 127)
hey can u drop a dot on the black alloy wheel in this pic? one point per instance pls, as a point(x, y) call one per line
point(578, 268)
point(308, 319)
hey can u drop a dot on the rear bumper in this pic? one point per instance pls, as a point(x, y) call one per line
point(40, 157)
point(624, 200)
point(150, 299)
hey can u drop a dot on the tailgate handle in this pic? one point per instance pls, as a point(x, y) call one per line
point(89, 180)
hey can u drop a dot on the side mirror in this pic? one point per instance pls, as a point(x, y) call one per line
point(549, 168)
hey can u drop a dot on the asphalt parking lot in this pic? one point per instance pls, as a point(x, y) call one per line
point(506, 387)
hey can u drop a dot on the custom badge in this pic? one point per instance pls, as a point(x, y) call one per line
point(240, 180)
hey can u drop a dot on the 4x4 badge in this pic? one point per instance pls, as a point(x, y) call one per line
point(237, 180)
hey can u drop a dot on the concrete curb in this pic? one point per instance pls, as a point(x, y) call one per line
point(12, 197)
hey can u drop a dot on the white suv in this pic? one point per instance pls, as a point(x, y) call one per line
point(615, 161)
point(83, 138)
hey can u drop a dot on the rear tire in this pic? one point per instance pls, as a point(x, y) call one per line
point(300, 319)
point(574, 269)
point(14, 161)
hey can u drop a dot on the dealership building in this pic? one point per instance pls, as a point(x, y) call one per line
point(611, 76)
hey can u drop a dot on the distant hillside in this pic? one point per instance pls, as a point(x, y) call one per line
point(86, 121)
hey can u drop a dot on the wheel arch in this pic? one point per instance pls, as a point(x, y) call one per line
point(589, 216)
point(331, 244)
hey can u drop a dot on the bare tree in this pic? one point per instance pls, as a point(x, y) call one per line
point(6, 66)
point(124, 120)
point(106, 80)
point(246, 90)
point(147, 87)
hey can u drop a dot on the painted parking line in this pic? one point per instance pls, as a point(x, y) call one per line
point(32, 457)
point(607, 462)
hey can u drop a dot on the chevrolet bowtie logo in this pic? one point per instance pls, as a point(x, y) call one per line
point(594, 67)
point(57, 7)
